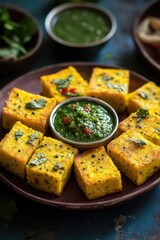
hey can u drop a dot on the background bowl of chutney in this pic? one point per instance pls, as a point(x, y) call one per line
point(19, 16)
point(87, 143)
point(81, 27)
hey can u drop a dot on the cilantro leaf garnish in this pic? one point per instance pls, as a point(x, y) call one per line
point(32, 138)
point(41, 158)
point(18, 134)
point(143, 95)
point(139, 142)
point(107, 78)
point(158, 130)
point(36, 104)
point(142, 113)
point(119, 87)
point(58, 166)
point(62, 83)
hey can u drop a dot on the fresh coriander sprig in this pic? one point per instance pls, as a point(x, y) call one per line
point(62, 83)
point(32, 138)
point(36, 104)
point(142, 113)
point(40, 159)
point(14, 36)
point(138, 142)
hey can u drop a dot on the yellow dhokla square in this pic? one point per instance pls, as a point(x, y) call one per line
point(50, 166)
point(96, 174)
point(33, 110)
point(17, 147)
point(135, 156)
point(146, 122)
point(147, 96)
point(64, 84)
point(110, 85)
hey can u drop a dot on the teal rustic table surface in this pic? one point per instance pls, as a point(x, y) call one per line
point(137, 219)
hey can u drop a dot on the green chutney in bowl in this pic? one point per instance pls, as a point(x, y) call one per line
point(84, 122)
point(80, 25)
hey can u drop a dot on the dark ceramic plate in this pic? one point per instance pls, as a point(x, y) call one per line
point(72, 197)
point(151, 54)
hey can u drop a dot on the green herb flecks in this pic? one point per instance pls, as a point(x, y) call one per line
point(143, 95)
point(62, 83)
point(119, 87)
point(18, 134)
point(8, 209)
point(36, 104)
point(142, 113)
point(119, 73)
point(15, 36)
point(41, 158)
point(58, 166)
point(158, 130)
point(32, 138)
point(83, 121)
point(138, 142)
point(106, 77)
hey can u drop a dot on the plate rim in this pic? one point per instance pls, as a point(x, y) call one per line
point(81, 206)
point(98, 203)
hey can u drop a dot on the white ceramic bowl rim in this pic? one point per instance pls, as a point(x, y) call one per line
point(92, 99)
point(66, 6)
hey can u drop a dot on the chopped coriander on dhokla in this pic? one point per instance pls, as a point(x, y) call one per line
point(50, 166)
point(17, 147)
point(33, 110)
point(64, 84)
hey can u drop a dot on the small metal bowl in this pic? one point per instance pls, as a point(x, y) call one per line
point(56, 12)
point(84, 145)
point(10, 66)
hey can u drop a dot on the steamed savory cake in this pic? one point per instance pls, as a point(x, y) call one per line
point(50, 166)
point(147, 96)
point(110, 85)
point(17, 147)
point(96, 174)
point(144, 121)
point(33, 110)
point(64, 84)
point(135, 156)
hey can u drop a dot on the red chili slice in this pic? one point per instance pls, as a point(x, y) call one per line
point(66, 120)
point(73, 90)
point(87, 131)
point(64, 90)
